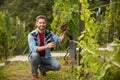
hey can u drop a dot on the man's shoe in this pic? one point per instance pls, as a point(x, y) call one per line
point(34, 77)
point(42, 73)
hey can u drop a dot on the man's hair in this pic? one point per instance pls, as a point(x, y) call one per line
point(40, 17)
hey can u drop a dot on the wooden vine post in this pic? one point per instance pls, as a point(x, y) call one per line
point(81, 27)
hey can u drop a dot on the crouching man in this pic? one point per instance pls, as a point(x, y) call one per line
point(40, 43)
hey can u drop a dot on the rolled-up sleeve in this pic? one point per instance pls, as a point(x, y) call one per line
point(56, 38)
point(32, 43)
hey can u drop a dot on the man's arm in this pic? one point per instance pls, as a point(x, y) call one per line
point(48, 46)
point(63, 36)
point(51, 44)
point(32, 43)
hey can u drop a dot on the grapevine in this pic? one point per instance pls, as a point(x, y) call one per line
point(95, 63)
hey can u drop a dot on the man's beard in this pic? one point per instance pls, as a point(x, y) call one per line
point(41, 29)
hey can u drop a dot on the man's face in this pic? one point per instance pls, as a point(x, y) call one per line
point(41, 24)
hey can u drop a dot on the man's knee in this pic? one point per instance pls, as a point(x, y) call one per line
point(34, 57)
point(57, 67)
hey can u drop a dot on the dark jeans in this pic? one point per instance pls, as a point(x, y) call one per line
point(46, 64)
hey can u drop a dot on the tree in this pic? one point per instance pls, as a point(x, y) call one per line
point(113, 20)
point(1, 2)
point(5, 33)
point(13, 36)
point(66, 12)
point(109, 13)
point(27, 10)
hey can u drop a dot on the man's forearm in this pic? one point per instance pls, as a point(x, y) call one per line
point(48, 46)
point(41, 48)
point(62, 37)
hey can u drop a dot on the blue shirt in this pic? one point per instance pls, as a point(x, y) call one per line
point(34, 41)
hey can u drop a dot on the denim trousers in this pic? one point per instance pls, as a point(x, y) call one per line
point(46, 64)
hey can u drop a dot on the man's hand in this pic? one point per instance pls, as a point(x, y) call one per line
point(64, 27)
point(50, 45)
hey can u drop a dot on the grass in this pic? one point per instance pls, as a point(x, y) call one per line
point(22, 71)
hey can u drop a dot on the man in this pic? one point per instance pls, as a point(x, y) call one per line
point(40, 42)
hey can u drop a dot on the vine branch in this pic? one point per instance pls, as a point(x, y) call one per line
point(102, 57)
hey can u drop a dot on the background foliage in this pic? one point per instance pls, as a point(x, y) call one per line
point(101, 26)
point(13, 35)
point(27, 10)
point(96, 33)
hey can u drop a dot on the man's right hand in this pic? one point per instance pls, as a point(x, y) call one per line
point(50, 45)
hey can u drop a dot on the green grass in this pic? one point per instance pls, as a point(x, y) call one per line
point(22, 71)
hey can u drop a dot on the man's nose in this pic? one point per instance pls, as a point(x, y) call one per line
point(42, 23)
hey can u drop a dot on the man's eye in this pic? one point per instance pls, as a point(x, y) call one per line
point(41, 23)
